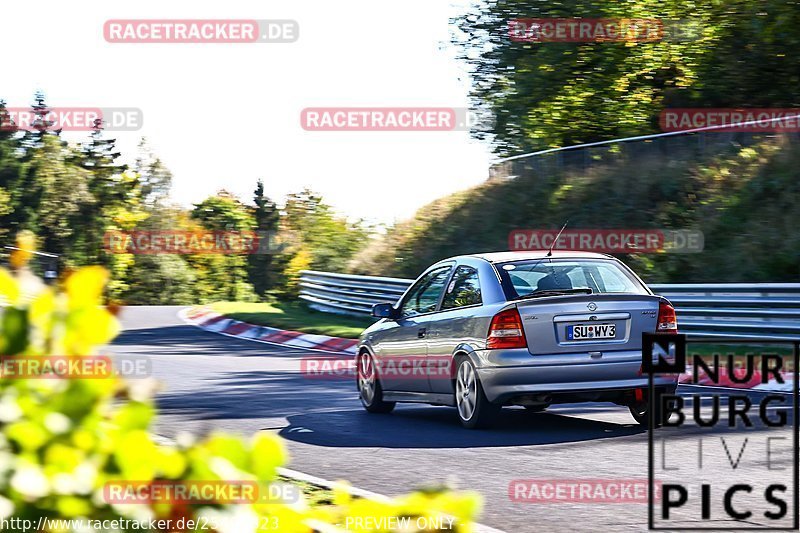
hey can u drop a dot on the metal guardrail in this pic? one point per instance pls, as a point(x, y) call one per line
point(719, 310)
point(343, 293)
point(736, 310)
point(721, 127)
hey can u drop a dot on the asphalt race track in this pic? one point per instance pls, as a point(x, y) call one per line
point(214, 382)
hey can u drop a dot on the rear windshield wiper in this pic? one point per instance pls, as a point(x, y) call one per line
point(554, 292)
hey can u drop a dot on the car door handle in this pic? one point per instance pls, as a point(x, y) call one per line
point(421, 333)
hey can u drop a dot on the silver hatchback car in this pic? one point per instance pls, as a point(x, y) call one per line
point(482, 331)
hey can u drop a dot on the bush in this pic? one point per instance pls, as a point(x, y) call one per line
point(63, 440)
point(159, 280)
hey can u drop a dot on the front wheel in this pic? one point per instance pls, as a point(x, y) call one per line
point(474, 409)
point(369, 386)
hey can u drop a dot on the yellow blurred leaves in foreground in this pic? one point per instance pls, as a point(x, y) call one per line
point(62, 441)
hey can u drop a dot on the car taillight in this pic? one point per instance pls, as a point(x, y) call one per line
point(506, 331)
point(667, 321)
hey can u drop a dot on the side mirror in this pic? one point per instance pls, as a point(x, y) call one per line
point(384, 311)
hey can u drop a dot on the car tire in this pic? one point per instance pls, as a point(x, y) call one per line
point(641, 411)
point(473, 408)
point(369, 387)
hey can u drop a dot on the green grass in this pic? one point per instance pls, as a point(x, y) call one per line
point(746, 201)
point(294, 317)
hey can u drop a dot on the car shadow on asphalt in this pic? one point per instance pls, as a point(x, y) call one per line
point(328, 413)
point(411, 426)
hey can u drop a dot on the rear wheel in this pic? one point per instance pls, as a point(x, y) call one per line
point(640, 411)
point(369, 386)
point(474, 409)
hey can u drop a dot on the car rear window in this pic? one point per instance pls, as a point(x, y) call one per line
point(521, 278)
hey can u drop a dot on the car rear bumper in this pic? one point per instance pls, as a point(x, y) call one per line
point(583, 374)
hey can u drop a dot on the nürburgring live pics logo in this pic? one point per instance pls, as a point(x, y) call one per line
point(726, 457)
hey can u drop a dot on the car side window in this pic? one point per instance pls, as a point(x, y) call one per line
point(424, 295)
point(464, 289)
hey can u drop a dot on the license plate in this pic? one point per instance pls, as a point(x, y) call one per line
point(586, 332)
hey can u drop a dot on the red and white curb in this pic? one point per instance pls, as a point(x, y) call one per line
point(209, 320)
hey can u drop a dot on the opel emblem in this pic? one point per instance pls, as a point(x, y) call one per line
point(592, 306)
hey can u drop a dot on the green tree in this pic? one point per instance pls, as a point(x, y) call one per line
point(223, 212)
point(9, 171)
point(266, 217)
point(162, 279)
point(41, 126)
point(222, 276)
point(330, 239)
point(540, 95)
point(109, 189)
point(320, 240)
point(51, 194)
point(155, 178)
point(143, 278)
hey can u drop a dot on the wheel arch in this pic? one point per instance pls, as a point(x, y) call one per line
point(463, 350)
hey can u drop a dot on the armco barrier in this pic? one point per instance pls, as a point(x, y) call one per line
point(344, 293)
point(723, 310)
point(736, 310)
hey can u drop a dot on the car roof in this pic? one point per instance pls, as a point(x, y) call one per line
point(503, 257)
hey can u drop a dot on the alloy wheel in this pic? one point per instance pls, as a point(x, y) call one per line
point(366, 378)
point(466, 391)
